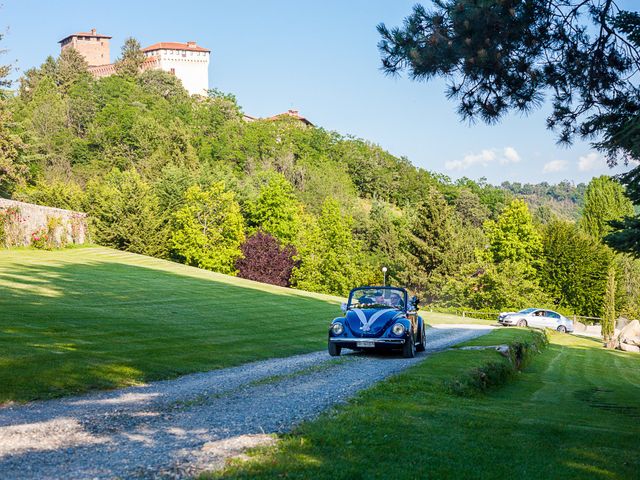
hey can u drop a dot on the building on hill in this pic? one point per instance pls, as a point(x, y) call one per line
point(187, 61)
point(94, 47)
point(294, 114)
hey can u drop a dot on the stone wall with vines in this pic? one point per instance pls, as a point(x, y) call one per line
point(24, 224)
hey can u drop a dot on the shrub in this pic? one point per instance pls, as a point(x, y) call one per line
point(40, 239)
point(265, 261)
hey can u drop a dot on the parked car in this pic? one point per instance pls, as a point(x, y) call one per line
point(537, 317)
point(378, 318)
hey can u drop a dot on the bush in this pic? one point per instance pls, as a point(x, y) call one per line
point(40, 239)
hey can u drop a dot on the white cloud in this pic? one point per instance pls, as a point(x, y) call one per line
point(588, 162)
point(510, 156)
point(554, 166)
point(485, 158)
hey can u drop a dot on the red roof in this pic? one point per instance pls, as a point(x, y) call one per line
point(190, 46)
point(91, 34)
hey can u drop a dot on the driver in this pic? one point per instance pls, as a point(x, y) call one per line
point(380, 298)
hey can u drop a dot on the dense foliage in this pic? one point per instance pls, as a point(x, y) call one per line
point(186, 178)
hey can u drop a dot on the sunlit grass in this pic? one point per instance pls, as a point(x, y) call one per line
point(573, 413)
point(91, 318)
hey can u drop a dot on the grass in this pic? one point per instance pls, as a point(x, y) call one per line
point(433, 318)
point(94, 318)
point(572, 413)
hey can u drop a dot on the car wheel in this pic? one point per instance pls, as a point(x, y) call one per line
point(409, 348)
point(522, 323)
point(562, 329)
point(334, 350)
point(423, 340)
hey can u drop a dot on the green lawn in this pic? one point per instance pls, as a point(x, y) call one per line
point(433, 318)
point(574, 412)
point(90, 318)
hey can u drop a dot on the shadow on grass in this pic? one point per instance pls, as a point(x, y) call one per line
point(70, 327)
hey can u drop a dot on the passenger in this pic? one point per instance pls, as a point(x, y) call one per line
point(380, 298)
point(396, 300)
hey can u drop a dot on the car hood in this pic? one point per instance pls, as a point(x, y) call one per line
point(371, 322)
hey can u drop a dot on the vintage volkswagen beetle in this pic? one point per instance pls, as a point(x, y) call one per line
point(378, 318)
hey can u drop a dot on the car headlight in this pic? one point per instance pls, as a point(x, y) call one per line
point(337, 328)
point(398, 329)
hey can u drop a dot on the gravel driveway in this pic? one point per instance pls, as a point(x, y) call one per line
point(177, 428)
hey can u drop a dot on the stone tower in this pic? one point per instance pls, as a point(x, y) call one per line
point(94, 47)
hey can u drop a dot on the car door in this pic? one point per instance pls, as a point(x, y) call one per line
point(553, 320)
point(537, 319)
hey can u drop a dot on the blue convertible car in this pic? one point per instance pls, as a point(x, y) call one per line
point(377, 318)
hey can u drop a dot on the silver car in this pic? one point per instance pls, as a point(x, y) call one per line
point(537, 317)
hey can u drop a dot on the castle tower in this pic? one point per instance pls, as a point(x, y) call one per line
point(94, 47)
point(187, 61)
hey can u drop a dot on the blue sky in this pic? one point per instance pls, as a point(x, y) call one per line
point(321, 59)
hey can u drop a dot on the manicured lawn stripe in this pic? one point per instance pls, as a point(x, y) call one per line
point(93, 318)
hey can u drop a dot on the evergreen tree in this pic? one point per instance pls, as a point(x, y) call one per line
point(131, 58)
point(124, 214)
point(574, 268)
point(625, 232)
point(609, 313)
point(499, 56)
point(604, 201)
point(209, 229)
point(71, 67)
point(436, 246)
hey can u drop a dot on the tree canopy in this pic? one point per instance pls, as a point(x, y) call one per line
point(503, 55)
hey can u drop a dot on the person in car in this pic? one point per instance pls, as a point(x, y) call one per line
point(396, 300)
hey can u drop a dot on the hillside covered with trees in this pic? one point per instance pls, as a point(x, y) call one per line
point(188, 179)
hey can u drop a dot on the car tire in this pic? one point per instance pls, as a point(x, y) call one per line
point(562, 329)
point(522, 323)
point(422, 346)
point(334, 350)
point(409, 348)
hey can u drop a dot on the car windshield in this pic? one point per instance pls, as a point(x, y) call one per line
point(528, 310)
point(377, 297)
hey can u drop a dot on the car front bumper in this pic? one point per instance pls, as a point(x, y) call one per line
point(507, 321)
point(378, 342)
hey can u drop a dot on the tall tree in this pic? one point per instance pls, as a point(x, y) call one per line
point(436, 246)
point(209, 229)
point(131, 59)
point(276, 210)
point(574, 268)
point(609, 311)
point(502, 55)
point(328, 254)
point(604, 201)
point(625, 232)
point(125, 214)
point(513, 236)
point(12, 172)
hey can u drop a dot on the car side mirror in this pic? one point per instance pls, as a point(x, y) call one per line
point(343, 307)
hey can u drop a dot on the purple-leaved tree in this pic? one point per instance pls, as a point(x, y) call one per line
point(264, 260)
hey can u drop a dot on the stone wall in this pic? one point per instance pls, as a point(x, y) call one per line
point(71, 227)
